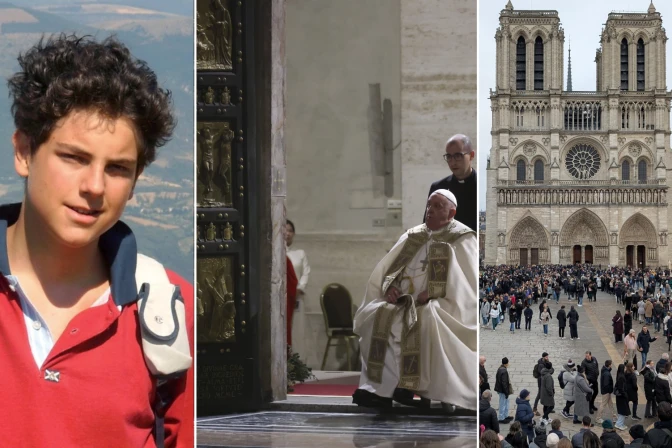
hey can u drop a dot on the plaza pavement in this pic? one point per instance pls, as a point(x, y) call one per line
point(524, 348)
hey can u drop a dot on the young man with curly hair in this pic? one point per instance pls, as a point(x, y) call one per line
point(89, 118)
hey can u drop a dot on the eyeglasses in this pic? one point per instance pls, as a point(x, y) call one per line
point(456, 156)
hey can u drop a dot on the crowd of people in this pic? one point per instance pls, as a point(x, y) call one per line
point(641, 295)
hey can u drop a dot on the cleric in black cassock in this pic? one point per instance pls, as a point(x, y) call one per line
point(462, 183)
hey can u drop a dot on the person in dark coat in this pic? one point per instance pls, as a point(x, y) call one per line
point(502, 387)
point(519, 313)
point(631, 389)
point(516, 436)
point(547, 391)
point(644, 339)
point(487, 416)
point(577, 439)
point(607, 390)
point(485, 385)
point(637, 432)
point(622, 404)
point(627, 321)
point(609, 438)
point(513, 318)
point(524, 413)
point(617, 324)
point(540, 437)
point(664, 359)
point(562, 321)
point(663, 385)
point(657, 437)
point(592, 374)
point(649, 389)
point(573, 318)
point(528, 317)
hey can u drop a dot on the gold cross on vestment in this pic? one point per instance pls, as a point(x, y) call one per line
point(425, 262)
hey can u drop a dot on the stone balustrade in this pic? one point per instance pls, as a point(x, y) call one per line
point(573, 196)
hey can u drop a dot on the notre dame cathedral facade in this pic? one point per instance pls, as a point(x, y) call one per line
point(579, 177)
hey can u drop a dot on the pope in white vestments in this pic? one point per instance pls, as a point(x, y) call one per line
point(418, 322)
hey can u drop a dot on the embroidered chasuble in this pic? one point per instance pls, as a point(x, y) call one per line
point(431, 348)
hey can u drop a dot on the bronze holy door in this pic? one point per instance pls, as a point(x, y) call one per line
point(227, 295)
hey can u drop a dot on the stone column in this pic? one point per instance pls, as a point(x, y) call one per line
point(650, 64)
point(632, 65)
point(270, 116)
point(616, 64)
point(583, 254)
point(660, 61)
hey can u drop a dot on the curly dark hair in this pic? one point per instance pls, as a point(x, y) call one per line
point(66, 73)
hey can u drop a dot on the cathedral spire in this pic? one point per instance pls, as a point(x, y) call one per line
point(569, 68)
point(652, 9)
point(509, 6)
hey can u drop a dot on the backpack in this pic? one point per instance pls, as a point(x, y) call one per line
point(165, 342)
point(535, 371)
point(561, 381)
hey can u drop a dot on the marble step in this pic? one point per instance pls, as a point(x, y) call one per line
point(304, 403)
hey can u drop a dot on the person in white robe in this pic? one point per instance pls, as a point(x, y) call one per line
point(418, 321)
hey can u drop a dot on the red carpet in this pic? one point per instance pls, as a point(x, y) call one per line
point(337, 390)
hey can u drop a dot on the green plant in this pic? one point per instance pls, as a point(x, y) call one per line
point(297, 370)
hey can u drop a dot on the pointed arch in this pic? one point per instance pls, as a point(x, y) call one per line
point(584, 228)
point(529, 236)
point(638, 229)
point(518, 32)
point(643, 35)
point(638, 242)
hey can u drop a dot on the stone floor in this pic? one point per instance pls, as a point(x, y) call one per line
point(335, 430)
point(524, 348)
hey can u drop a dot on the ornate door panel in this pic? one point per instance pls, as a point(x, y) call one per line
point(577, 254)
point(630, 258)
point(589, 254)
point(534, 253)
point(523, 257)
point(641, 257)
point(227, 347)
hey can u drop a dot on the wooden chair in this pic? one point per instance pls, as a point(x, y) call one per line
point(338, 315)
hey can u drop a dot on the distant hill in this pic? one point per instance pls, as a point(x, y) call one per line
point(159, 32)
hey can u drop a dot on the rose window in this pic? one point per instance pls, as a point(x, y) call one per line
point(582, 161)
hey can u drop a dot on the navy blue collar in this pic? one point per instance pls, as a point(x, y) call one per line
point(117, 246)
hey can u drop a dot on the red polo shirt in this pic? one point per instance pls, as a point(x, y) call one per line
point(104, 394)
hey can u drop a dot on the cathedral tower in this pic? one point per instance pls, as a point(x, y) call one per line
point(576, 176)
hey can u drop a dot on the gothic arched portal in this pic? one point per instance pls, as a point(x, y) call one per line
point(528, 243)
point(637, 242)
point(584, 239)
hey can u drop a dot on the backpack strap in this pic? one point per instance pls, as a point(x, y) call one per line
point(165, 342)
point(162, 321)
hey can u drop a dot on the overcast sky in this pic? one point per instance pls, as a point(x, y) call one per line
point(582, 21)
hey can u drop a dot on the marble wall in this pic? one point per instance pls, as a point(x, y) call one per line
point(438, 92)
point(335, 50)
